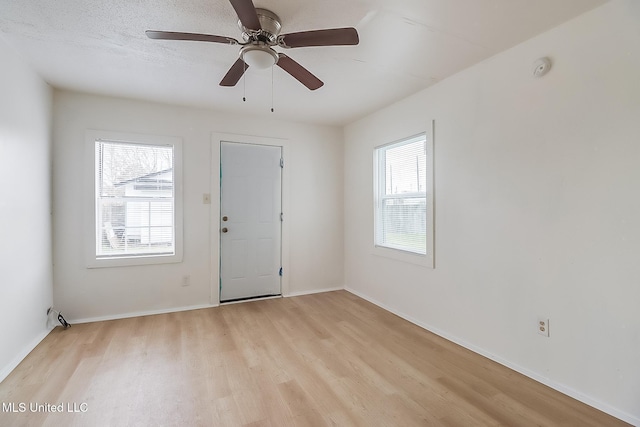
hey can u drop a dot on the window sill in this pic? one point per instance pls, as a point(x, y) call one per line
point(134, 260)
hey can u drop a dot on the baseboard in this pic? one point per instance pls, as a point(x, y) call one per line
point(177, 309)
point(315, 291)
point(141, 313)
point(4, 373)
point(533, 375)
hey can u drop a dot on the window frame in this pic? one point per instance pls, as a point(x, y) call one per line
point(379, 177)
point(90, 228)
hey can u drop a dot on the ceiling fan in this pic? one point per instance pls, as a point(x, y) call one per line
point(261, 33)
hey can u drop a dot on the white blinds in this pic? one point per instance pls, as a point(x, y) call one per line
point(135, 207)
point(401, 202)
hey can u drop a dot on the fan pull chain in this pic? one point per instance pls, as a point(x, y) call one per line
point(244, 82)
point(272, 88)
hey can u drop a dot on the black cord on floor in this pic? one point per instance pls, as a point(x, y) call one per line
point(63, 322)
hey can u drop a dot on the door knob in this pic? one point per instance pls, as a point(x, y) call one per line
point(225, 229)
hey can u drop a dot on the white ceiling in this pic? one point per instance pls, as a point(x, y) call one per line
point(99, 46)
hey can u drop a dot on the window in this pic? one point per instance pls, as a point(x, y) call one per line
point(403, 196)
point(135, 200)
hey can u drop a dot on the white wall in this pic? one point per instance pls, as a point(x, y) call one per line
point(25, 209)
point(537, 209)
point(313, 164)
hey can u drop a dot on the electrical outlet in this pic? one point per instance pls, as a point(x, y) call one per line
point(543, 326)
point(186, 280)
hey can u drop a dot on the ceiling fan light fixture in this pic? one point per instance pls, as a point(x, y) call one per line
point(259, 56)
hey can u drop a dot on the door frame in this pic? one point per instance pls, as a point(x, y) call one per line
point(214, 217)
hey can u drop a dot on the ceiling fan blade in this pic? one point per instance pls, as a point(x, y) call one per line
point(299, 72)
point(247, 14)
point(235, 72)
point(330, 37)
point(170, 35)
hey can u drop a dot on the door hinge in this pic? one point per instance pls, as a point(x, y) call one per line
point(280, 272)
point(281, 162)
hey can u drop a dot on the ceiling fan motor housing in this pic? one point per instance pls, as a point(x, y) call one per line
point(271, 26)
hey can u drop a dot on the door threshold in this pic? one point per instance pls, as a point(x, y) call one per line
point(258, 298)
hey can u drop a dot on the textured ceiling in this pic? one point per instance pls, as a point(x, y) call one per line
point(100, 47)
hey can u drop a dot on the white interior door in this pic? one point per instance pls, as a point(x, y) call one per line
point(250, 220)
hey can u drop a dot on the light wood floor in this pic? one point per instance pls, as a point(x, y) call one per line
point(325, 359)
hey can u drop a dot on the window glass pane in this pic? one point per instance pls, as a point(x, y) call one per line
point(404, 224)
point(405, 168)
point(136, 169)
point(135, 199)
